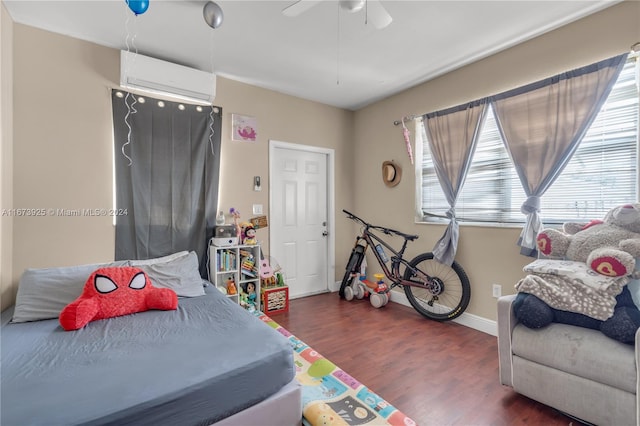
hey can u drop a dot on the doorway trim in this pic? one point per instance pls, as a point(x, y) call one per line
point(274, 145)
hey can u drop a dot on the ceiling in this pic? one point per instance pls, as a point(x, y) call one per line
point(325, 54)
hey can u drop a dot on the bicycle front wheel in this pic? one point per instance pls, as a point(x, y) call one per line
point(445, 291)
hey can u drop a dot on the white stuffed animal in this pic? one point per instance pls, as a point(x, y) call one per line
point(610, 246)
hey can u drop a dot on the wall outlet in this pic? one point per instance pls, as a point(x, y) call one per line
point(257, 209)
point(497, 290)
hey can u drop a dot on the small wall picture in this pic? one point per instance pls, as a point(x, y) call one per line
point(245, 128)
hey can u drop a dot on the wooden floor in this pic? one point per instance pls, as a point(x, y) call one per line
point(436, 373)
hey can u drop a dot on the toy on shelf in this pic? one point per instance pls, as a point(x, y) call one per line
point(268, 282)
point(269, 266)
point(248, 297)
point(248, 266)
point(249, 235)
point(275, 280)
point(266, 271)
point(244, 302)
point(231, 286)
point(251, 293)
point(220, 218)
point(235, 214)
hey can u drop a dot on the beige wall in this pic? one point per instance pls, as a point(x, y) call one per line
point(62, 148)
point(7, 286)
point(489, 255)
point(286, 119)
point(62, 145)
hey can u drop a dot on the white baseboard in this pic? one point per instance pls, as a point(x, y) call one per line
point(468, 320)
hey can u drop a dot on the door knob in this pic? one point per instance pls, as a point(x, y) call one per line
point(325, 233)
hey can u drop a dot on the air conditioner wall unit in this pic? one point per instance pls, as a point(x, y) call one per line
point(154, 76)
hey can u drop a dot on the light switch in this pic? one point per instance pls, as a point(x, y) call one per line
point(257, 209)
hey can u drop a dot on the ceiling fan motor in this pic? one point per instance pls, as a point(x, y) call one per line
point(352, 5)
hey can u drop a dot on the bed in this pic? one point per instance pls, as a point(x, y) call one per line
point(208, 362)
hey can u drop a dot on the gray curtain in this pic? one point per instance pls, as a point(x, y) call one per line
point(542, 124)
point(452, 136)
point(167, 164)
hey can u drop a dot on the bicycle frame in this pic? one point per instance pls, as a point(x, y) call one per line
point(441, 294)
point(392, 272)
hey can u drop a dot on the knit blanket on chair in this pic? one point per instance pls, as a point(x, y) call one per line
point(572, 286)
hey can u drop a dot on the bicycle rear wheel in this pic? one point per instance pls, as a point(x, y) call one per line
point(445, 296)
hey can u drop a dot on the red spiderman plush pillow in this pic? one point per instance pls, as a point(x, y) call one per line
point(116, 291)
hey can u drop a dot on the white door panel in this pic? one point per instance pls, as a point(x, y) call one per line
point(299, 218)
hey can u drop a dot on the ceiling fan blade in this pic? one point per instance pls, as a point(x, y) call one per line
point(377, 14)
point(299, 7)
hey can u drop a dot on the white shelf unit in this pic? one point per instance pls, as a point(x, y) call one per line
point(239, 263)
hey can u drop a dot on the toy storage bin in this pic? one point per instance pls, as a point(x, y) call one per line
point(275, 299)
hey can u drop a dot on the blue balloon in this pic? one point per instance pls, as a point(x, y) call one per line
point(138, 6)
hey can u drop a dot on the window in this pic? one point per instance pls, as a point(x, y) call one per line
point(601, 174)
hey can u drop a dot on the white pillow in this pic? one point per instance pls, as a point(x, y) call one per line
point(179, 272)
point(43, 293)
point(158, 259)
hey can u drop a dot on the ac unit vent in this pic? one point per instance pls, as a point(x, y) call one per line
point(154, 76)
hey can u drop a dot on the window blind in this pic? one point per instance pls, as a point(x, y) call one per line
point(601, 174)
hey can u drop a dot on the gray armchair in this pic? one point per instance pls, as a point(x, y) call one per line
point(576, 370)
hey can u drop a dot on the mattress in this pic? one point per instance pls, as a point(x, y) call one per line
point(199, 364)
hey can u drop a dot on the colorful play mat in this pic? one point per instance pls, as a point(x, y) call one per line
point(330, 396)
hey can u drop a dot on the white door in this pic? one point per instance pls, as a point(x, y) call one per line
point(299, 221)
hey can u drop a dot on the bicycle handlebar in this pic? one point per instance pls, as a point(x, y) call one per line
point(387, 231)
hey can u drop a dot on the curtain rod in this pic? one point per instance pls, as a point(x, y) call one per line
point(405, 118)
point(635, 50)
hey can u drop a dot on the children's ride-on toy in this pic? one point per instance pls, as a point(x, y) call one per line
point(357, 289)
point(360, 288)
point(380, 295)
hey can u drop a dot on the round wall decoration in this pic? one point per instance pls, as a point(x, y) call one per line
point(391, 173)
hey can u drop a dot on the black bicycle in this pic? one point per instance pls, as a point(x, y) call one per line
point(437, 291)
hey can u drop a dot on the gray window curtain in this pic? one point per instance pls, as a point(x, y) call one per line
point(167, 165)
point(542, 124)
point(452, 136)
